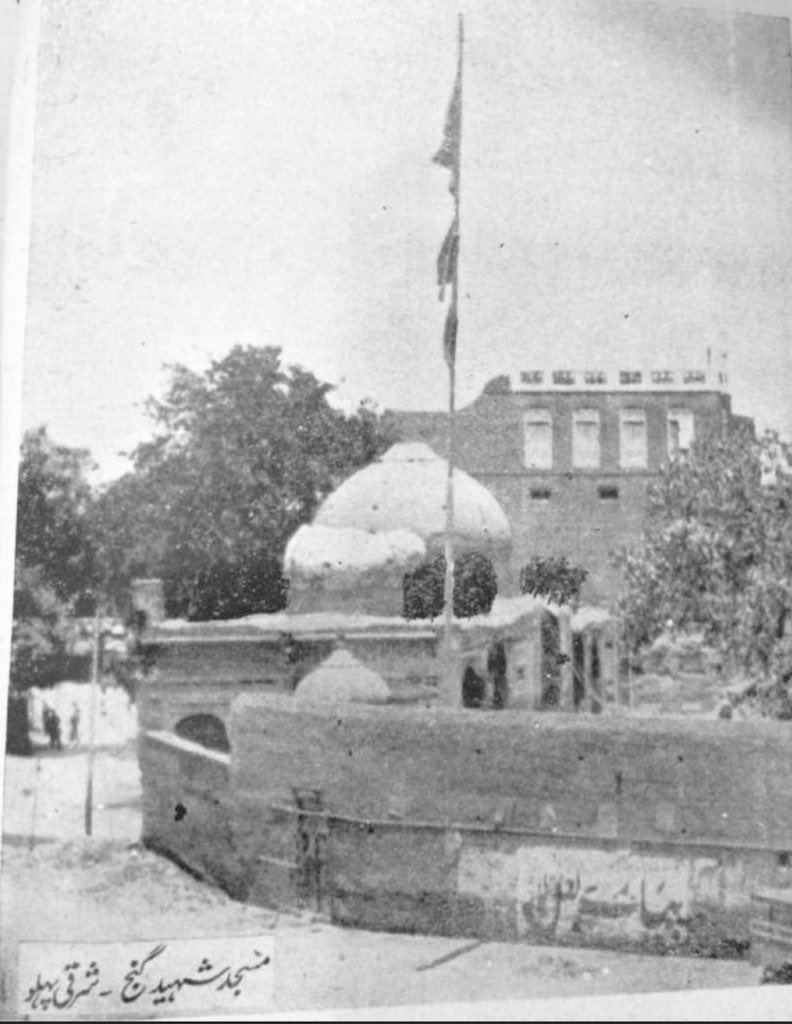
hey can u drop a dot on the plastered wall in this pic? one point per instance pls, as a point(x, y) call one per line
point(648, 835)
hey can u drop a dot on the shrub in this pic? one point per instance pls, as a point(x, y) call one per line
point(552, 578)
point(475, 587)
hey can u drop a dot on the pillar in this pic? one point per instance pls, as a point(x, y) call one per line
point(566, 697)
point(609, 665)
point(588, 652)
point(449, 693)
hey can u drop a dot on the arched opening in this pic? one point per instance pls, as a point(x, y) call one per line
point(208, 730)
point(474, 689)
point(496, 670)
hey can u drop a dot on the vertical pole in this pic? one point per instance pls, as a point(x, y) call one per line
point(450, 694)
point(34, 809)
point(630, 701)
point(567, 695)
point(449, 673)
point(92, 723)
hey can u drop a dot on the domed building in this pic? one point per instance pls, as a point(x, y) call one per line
point(350, 570)
point(343, 651)
point(384, 521)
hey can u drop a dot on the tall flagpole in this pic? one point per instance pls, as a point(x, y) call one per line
point(450, 685)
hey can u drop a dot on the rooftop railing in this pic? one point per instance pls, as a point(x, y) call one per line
point(690, 379)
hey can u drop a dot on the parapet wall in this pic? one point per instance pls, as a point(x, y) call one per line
point(201, 667)
point(637, 834)
point(652, 779)
point(645, 834)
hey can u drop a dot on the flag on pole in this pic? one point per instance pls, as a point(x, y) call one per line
point(447, 273)
point(450, 334)
point(447, 259)
point(448, 155)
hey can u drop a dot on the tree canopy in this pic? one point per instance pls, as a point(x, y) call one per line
point(53, 504)
point(475, 587)
point(716, 556)
point(242, 456)
point(55, 566)
point(553, 578)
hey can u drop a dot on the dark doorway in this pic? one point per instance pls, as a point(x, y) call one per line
point(578, 671)
point(596, 675)
point(496, 669)
point(473, 689)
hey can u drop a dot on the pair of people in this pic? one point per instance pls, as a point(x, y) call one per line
point(52, 727)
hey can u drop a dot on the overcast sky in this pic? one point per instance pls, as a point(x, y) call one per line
point(260, 173)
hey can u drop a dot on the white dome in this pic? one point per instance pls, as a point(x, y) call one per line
point(342, 678)
point(406, 490)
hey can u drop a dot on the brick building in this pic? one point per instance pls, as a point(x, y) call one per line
point(570, 454)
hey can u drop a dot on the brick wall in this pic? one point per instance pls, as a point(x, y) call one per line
point(560, 511)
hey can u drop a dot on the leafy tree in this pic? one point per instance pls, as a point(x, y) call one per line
point(53, 504)
point(716, 556)
point(54, 568)
point(552, 578)
point(475, 587)
point(39, 631)
point(242, 456)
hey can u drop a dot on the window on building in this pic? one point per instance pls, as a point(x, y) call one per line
point(586, 439)
point(680, 431)
point(540, 493)
point(607, 493)
point(632, 439)
point(538, 439)
point(630, 377)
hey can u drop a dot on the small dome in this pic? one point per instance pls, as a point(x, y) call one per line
point(341, 678)
point(406, 490)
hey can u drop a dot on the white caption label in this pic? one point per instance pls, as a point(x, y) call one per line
point(58, 979)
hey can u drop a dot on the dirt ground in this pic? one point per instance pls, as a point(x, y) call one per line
point(57, 884)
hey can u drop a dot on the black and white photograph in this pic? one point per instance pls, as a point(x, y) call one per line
point(396, 489)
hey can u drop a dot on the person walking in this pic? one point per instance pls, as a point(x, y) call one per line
point(46, 721)
point(74, 724)
point(55, 730)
